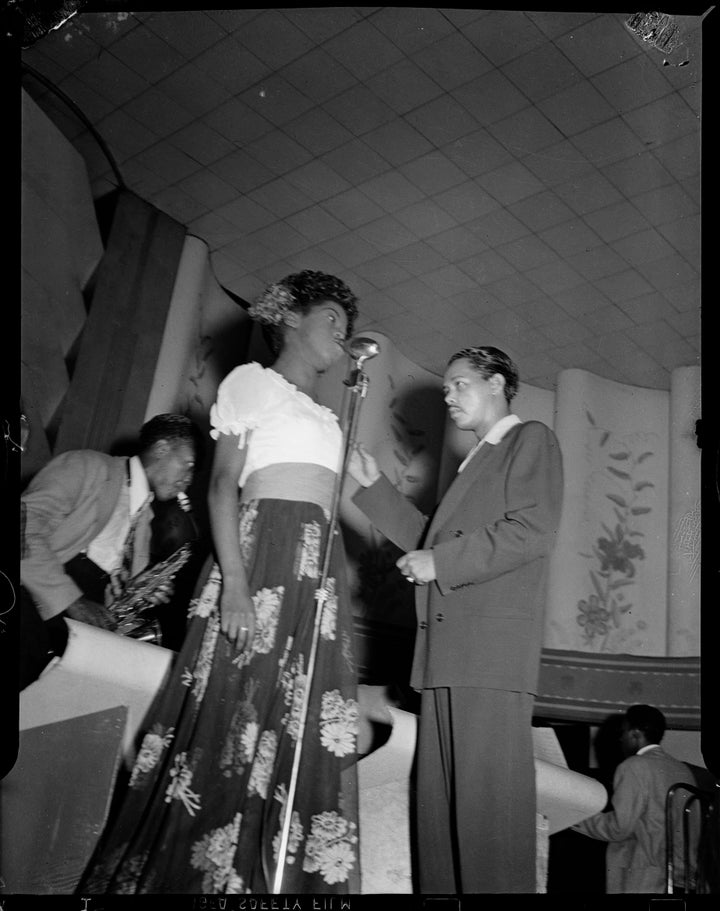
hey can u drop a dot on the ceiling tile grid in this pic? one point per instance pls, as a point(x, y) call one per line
point(526, 179)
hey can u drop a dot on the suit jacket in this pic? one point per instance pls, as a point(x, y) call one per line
point(635, 827)
point(480, 623)
point(66, 505)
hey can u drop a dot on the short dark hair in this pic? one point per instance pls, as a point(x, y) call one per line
point(311, 287)
point(488, 361)
point(648, 719)
point(175, 428)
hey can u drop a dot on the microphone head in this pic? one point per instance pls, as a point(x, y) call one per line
point(361, 347)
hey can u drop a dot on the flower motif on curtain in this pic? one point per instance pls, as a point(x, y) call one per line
point(605, 614)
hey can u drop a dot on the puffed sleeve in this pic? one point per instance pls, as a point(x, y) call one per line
point(243, 397)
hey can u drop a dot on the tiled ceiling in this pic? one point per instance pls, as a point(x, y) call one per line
point(524, 179)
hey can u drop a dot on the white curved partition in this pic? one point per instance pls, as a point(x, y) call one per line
point(99, 670)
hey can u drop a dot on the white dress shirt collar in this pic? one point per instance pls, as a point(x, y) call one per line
point(647, 748)
point(493, 436)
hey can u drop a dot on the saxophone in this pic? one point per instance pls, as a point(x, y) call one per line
point(134, 609)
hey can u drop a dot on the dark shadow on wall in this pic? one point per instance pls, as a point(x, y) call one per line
point(384, 604)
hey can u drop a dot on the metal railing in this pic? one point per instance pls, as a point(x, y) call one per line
point(699, 839)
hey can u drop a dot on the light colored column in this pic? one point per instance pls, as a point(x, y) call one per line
point(683, 629)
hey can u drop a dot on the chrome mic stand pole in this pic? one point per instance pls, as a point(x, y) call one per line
point(361, 349)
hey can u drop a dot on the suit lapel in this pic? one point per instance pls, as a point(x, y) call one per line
point(458, 489)
point(454, 495)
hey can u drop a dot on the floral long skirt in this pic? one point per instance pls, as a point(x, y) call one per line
point(204, 808)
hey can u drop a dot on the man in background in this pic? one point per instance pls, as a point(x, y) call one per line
point(635, 826)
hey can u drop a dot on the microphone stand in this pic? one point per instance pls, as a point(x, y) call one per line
point(359, 382)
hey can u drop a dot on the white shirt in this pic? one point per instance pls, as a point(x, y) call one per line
point(286, 424)
point(493, 436)
point(106, 548)
point(647, 748)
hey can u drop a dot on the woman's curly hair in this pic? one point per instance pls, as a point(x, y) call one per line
point(299, 292)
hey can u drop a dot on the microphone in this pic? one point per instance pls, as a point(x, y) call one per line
point(361, 348)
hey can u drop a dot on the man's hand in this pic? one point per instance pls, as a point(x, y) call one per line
point(87, 611)
point(362, 466)
point(417, 566)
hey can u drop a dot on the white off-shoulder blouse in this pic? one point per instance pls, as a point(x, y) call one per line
point(286, 424)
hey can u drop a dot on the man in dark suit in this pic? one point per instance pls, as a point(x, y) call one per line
point(480, 577)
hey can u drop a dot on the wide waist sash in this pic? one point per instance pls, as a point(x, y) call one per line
point(300, 481)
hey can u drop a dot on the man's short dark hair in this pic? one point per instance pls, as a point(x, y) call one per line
point(648, 719)
point(488, 361)
point(175, 428)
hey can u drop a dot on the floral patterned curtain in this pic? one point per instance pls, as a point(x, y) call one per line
point(608, 573)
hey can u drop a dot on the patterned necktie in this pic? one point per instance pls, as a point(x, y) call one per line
point(122, 575)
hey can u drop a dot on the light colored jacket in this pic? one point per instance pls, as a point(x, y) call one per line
point(635, 827)
point(66, 505)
